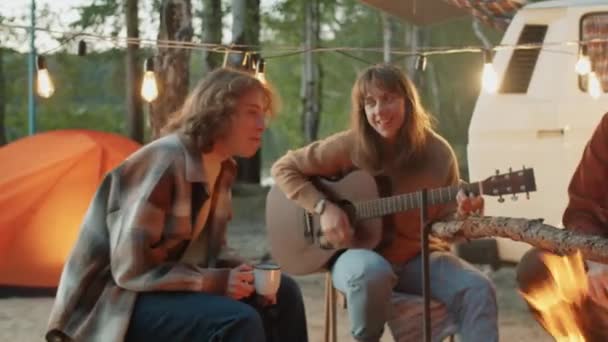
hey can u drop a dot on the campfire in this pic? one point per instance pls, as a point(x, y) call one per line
point(559, 300)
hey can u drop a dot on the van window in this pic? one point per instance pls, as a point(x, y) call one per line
point(519, 71)
point(595, 26)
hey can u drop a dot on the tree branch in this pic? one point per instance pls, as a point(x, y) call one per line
point(533, 232)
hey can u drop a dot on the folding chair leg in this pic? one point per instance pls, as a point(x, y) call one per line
point(330, 310)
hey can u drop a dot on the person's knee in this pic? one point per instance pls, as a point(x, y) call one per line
point(289, 289)
point(482, 290)
point(368, 271)
point(531, 270)
point(248, 322)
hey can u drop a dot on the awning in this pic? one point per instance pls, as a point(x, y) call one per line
point(419, 12)
point(496, 13)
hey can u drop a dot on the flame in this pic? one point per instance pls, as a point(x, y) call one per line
point(559, 298)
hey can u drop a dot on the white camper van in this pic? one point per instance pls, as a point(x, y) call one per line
point(542, 115)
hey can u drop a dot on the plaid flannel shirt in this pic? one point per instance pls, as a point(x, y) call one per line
point(134, 233)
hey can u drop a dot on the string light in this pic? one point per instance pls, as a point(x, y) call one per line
point(149, 90)
point(583, 65)
point(44, 83)
point(289, 50)
point(225, 62)
point(421, 63)
point(593, 85)
point(246, 64)
point(489, 79)
point(259, 70)
point(82, 48)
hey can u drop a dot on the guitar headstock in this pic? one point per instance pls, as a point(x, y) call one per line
point(510, 183)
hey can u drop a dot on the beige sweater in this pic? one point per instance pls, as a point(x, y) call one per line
point(335, 156)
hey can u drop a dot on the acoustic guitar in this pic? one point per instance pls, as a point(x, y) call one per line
point(296, 240)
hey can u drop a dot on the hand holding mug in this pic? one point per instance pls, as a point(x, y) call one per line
point(240, 282)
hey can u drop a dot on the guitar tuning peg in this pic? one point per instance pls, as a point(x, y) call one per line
point(510, 170)
point(514, 197)
point(527, 195)
point(500, 199)
point(497, 172)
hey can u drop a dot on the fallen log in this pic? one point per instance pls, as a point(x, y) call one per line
point(531, 231)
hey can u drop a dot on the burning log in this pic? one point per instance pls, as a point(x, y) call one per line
point(533, 232)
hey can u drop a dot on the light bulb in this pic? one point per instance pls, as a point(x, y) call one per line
point(260, 70)
point(45, 87)
point(489, 79)
point(583, 65)
point(593, 85)
point(149, 91)
point(261, 77)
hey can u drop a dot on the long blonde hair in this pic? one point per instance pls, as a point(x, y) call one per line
point(206, 113)
point(411, 136)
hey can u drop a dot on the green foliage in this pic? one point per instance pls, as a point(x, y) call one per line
point(98, 13)
point(90, 91)
point(345, 23)
point(348, 23)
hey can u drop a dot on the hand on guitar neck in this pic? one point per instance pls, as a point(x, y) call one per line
point(335, 226)
point(467, 205)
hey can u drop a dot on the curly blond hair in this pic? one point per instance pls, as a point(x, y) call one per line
point(207, 112)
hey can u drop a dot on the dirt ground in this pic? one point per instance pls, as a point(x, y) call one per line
point(23, 319)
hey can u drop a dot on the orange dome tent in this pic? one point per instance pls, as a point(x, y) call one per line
point(46, 183)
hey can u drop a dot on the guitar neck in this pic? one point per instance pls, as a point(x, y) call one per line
point(399, 203)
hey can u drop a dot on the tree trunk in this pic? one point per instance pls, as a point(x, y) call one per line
point(2, 99)
point(533, 232)
point(135, 127)
point(211, 33)
point(433, 82)
point(411, 43)
point(172, 62)
point(311, 73)
point(388, 32)
point(246, 31)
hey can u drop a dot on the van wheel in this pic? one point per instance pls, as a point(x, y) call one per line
point(481, 251)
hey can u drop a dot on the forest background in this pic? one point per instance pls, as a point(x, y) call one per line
point(99, 90)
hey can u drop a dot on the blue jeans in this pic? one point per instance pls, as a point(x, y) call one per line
point(367, 280)
point(193, 317)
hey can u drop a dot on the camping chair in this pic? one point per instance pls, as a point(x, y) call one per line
point(406, 318)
